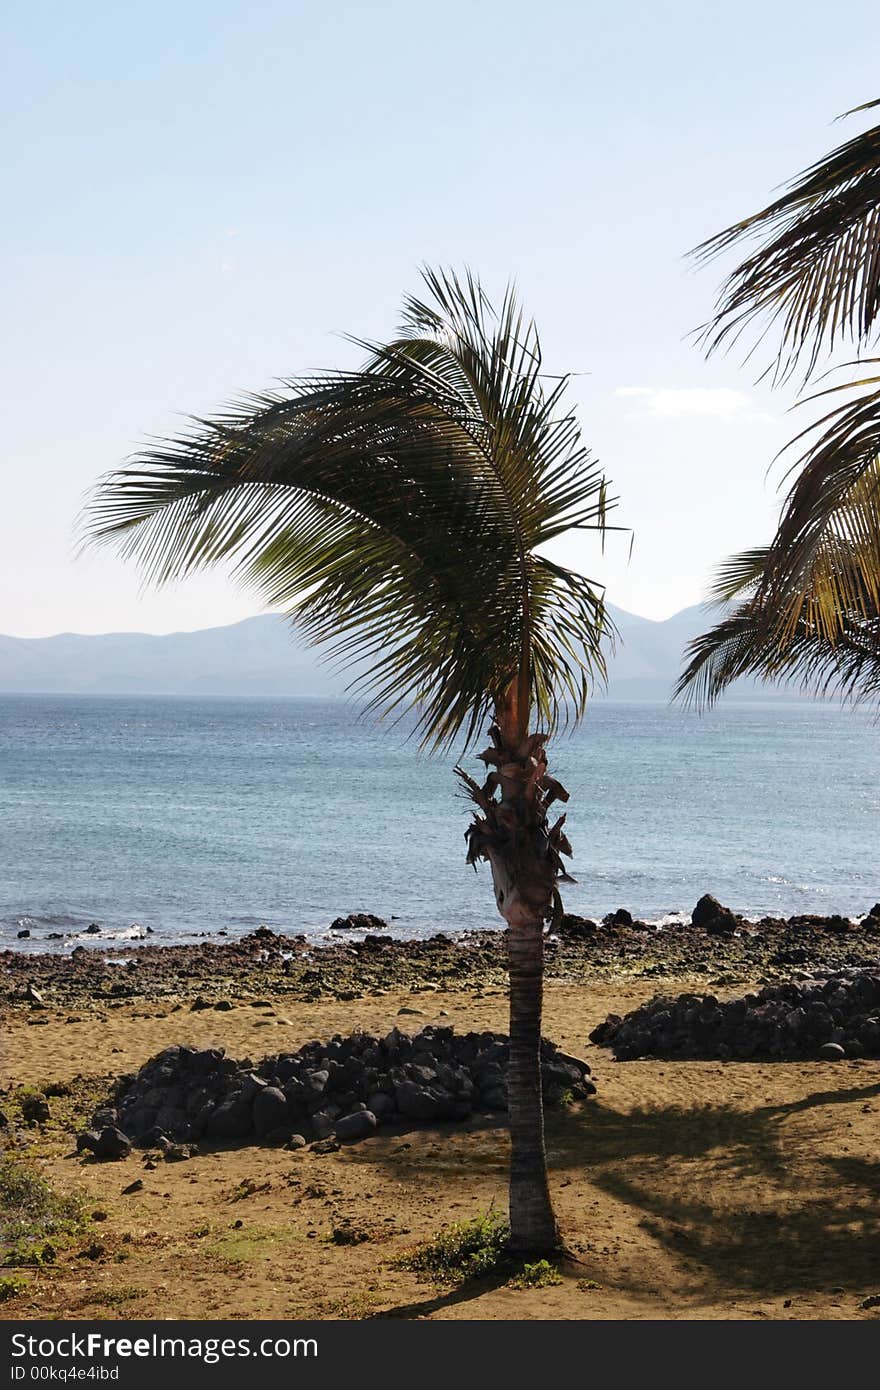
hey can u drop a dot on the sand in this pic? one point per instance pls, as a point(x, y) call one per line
point(686, 1190)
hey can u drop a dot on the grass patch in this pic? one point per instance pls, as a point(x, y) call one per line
point(540, 1275)
point(71, 1103)
point(356, 1307)
point(463, 1251)
point(12, 1287)
point(111, 1298)
point(34, 1218)
point(245, 1246)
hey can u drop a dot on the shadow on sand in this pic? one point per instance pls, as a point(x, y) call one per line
point(733, 1195)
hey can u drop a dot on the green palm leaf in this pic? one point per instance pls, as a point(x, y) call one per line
point(397, 514)
point(815, 276)
point(825, 636)
point(832, 504)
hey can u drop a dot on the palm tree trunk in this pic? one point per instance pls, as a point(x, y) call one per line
point(532, 1223)
point(524, 852)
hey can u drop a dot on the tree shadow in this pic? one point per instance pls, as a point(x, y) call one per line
point(465, 1293)
point(749, 1141)
point(857, 1172)
point(727, 1192)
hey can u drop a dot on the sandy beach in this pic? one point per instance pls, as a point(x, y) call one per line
point(685, 1189)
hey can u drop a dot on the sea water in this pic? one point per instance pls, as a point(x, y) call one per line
point(213, 816)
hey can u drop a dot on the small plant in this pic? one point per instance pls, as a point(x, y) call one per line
point(11, 1288)
point(539, 1275)
point(112, 1298)
point(463, 1251)
point(31, 1211)
point(247, 1188)
point(33, 1105)
point(587, 1285)
point(356, 1306)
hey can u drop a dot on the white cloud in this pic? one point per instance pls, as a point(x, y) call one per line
point(677, 403)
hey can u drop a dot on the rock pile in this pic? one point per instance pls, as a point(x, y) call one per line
point(833, 1018)
point(342, 1089)
point(359, 921)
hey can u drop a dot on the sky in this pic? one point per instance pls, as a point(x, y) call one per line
point(201, 198)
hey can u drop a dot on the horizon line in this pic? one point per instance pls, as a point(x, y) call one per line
point(270, 613)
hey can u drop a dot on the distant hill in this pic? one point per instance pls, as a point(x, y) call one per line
point(262, 656)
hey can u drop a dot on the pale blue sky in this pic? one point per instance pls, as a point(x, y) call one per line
point(200, 196)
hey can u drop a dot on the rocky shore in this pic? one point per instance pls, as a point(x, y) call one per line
point(717, 945)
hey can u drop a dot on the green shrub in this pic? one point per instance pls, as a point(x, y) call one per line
point(537, 1276)
point(463, 1251)
point(30, 1212)
point(11, 1288)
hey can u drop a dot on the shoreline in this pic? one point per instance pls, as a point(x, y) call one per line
point(727, 951)
point(38, 940)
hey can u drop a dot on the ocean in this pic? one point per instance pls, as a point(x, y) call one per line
point(195, 817)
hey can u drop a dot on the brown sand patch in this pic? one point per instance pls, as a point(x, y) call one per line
point(688, 1190)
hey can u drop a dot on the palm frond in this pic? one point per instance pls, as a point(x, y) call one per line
point(745, 643)
point(828, 642)
point(833, 506)
point(396, 514)
point(815, 277)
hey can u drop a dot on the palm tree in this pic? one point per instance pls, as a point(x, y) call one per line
point(808, 602)
point(838, 657)
point(398, 516)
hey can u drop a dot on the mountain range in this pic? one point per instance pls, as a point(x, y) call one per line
point(263, 656)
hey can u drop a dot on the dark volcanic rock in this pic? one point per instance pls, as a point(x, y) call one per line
point(233, 1118)
point(838, 924)
point(831, 1018)
point(346, 1086)
point(359, 921)
point(270, 1110)
point(423, 1102)
point(358, 1125)
point(35, 1108)
point(713, 918)
point(280, 966)
point(110, 1144)
point(576, 927)
point(621, 918)
point(706, 910)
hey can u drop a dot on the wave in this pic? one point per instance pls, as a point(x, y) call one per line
point(133, 933)
point(28, 921)
point(784, 882)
